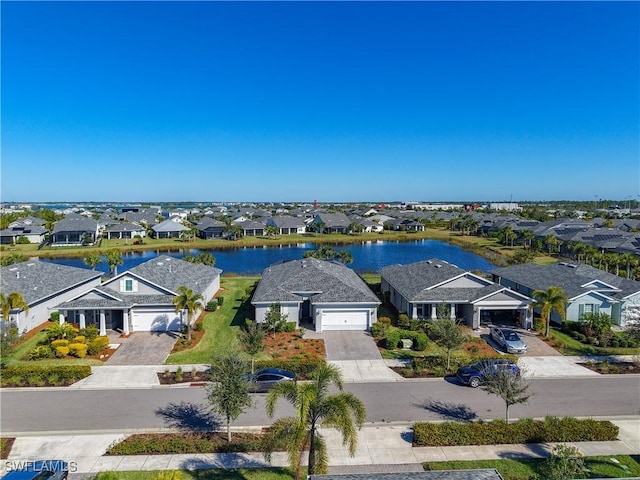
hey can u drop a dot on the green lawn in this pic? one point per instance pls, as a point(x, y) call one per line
point(568, 345)
point(221, 326)
point(530, 468)
point(239, 474)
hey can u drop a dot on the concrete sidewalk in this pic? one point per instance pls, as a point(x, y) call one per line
point(388, 445)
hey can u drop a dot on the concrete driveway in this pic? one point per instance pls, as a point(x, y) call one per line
point(536, 347)
point(143, 348)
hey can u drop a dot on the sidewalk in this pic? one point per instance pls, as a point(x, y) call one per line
point(388, 445)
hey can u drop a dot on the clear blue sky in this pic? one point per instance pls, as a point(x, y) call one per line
point(296, 101)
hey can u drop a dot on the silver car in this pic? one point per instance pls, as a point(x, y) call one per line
point(508, 339)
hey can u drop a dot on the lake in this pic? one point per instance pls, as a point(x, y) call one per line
point(368, 257)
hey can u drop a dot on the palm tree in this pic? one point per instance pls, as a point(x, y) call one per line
point(189, 302)
point(114, 258)
point(631, 261)
point(527, 236)
point(507, 235)
point(315, 407)
point(92, 259)
point(552, 242)
point(271, 230)
point(553, 298)
point(12, 301)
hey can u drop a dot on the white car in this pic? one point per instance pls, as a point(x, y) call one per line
point(508, 339)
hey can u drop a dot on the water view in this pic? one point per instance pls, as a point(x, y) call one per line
point(368, 257)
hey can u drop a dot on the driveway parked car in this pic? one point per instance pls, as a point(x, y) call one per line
point(476, 374)
point(39, 470)
point(264, 379)
point(508, 339)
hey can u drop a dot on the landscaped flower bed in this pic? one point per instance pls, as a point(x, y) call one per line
point(290, 345)
point(612, 367)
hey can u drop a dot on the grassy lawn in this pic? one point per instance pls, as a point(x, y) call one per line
point(221, 326)
point(568, 345)
point(530, 468)
point(238, 474)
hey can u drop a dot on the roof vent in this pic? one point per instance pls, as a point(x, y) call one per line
point(438, 266)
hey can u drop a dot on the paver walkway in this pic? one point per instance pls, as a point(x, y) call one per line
point(143, 348)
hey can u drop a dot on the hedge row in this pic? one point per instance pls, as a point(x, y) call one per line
point(36, 375)
point(302, 368)
point(551, 429)
point(393, 337)
point(180, 444)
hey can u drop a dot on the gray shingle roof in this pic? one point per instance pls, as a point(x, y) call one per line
point(76, 224)
point(37, 280)
point(568, 276)
point(333, 282)
point(286, 221)
point(415, 282)
point(124, 227)
point(112, 299)
point(169, 226)
point(334, 219)
point(171, 273)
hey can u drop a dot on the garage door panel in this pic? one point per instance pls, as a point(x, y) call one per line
point(345, 320)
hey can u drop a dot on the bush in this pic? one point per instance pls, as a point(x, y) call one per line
point(379, 330)
point(78, 350)
point(40, 352)
point(59, 343)
point(80, 339)
point(289, 327)
point(420, 341)
point(385, 320)
point(98, 345)
point(592, 340)
point(220, 301)
point(67, 374)
point(212, 306)
point(90, 333)
point(197, 327)
point(61, 351)
point(624, 343)
point(403, 321)
point(54, 317)
point(551, 429)
point(392, 339)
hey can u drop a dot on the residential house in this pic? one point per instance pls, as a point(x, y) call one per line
point(287, 225)
point(331, 222)
point(588, 289)
point(74, 230)
point(210, 228)
point(141, 299)
point(419, 288)
point(327, 294)
point(169, 229)
point(43, 285)
point(124, 230)
point(250, 228)
point(31, 228)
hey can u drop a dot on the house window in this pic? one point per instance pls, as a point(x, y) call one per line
point(128, 285)
point(588, 308)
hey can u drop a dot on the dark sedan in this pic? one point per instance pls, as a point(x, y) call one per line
point(263, 380)
point(474, 375)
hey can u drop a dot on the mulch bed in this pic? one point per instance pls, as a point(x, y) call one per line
point(612, 367)
point(196, 336)
point(187, 377)
point(7, 444)
point(289, 345)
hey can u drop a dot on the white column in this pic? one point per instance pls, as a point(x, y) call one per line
point(103, 324)
point(83, 323)
point(476, 318)
point(452, 311)
point(125, 322)
point(61, 318)
point(434, 311)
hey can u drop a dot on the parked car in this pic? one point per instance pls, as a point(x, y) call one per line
point(475, 375)
point(264, 379)
point(38, 470)
point(508, 339)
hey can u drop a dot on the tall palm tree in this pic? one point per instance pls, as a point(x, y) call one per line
point(12, 301)
point(113, 258)
point(631, 261)
point(92, 259)
point(549, 300)
point(527, 236)
point(315, 407)
point(190, 302)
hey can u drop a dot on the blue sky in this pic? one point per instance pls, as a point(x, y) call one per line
point(334, 101)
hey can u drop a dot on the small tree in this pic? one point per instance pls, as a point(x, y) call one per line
point(229, 391)
point(565, 463)
point(274, 319)
point(512, 388)
point(448, 334)
point(549, 300)
point(92, 260)
point(190, 302)
point(251, 337)
point(113, 258)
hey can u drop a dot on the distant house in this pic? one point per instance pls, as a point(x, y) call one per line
point(43, 285)
point(141, 299)
point(31, 228)
point(589, 289)
point(327, 294)
point(169, 229)
point(251, 228)
point(210, 228)
point(74, 230)
point(419, 288)
point(331, 223)
point(124, 230)
point(287, 225)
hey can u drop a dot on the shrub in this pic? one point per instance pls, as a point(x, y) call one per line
point(78, 350)
point(80, 339)
point(289, 327)
point(59, 343)
point(178, 375)
point(197, 327)
point(392, 339)
point(90, 333)
point(40, 352)
point(55, 317)
point(581, 337)
point(379, 330)
point(67, 374)
point(592, 340)
point(61, 351)
point(624, 343)
point(98, 345)
point(403, 321)
point(220, 301)
point(385, 320)
point(420, 341)
point(615, 343)
point(212, 306)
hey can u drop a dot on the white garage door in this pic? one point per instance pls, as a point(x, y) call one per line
point(344, 320)
point(155, 321)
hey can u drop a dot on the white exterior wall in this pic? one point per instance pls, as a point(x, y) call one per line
point(292, 310)
point(573, 309)
point(40, 312)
